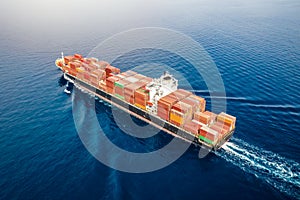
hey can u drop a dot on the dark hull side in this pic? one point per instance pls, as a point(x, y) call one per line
point(149, 118)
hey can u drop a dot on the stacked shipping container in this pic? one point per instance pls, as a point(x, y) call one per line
point(119, 88)
point(141, 96)
point(130, 89)
point(180, 107)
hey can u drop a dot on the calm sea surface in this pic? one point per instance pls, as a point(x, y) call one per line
point(256, 47)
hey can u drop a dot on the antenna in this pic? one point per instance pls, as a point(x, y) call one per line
point(62, 57)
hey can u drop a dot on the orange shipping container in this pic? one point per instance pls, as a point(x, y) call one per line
point(165, 103)
point(130, 89)
point(72, 72)
point(100, 74)
point(109, 90)
point(74, 65)
point(78, 56)
point(177, 117)
point(141, 94)
point(176, 123)
point(102, 86)
point(227, 119)
point(140, 106)
point(212, 115)
point(141, 97)
point(201, 117)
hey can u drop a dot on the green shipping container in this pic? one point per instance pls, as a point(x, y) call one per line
point(205, 139)
point(119, 85)
point(119, 96)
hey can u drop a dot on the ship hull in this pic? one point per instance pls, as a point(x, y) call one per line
point(147, 117)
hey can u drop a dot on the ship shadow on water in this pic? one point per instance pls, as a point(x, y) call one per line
point(110, 121)
point(69, 86)
point(62, 81)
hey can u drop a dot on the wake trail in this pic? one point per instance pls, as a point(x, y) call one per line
point(281, 173)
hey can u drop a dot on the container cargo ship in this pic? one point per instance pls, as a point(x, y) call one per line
point(157, 101)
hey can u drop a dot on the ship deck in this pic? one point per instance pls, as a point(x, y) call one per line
point(148, 117)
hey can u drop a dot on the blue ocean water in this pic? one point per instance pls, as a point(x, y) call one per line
point(256, 47)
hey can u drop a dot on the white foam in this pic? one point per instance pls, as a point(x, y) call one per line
point(282, 173)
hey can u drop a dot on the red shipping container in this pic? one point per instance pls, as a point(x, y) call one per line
point(110, 82)
point(115, 70)
point(182, 107)
point(163, 115)
point(86, 76)
point(68, 59)
point(78, 56)
point(209, 133)
point(94, 83)
point(192, 127)
point(119, 91)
